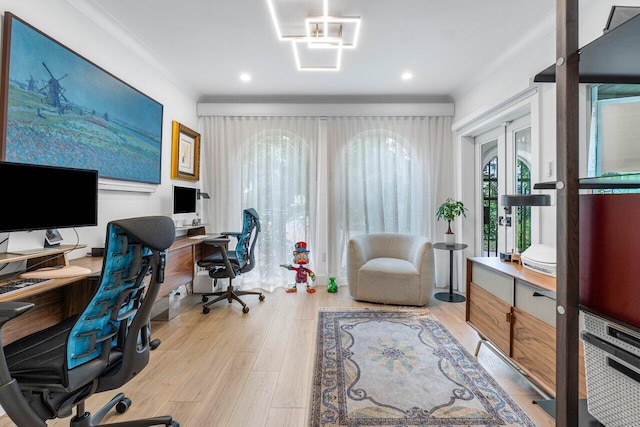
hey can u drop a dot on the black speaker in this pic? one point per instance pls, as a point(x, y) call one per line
point(97, 251)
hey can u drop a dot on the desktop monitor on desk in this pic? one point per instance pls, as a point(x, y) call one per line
point(184, 204)
point(36, 197)
point(184, 200)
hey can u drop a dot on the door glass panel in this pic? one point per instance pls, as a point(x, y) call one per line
point(523, 186)
point(490, 198)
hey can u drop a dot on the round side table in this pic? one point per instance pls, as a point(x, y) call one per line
point(450, 296)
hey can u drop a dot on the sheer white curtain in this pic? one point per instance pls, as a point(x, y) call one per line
point(387, 174)
point(383, 174)
point(266, 163)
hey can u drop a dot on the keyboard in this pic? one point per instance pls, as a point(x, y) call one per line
point(14, 285)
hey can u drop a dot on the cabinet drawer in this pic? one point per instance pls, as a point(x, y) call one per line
point(493, 282)
point(539, 304)
point(488, 315)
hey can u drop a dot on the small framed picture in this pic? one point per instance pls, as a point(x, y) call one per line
point(185, 153)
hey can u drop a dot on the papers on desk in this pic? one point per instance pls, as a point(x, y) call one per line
point(209, 237)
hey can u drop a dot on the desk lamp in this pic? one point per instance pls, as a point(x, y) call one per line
point(202, 195)
point(510, 200)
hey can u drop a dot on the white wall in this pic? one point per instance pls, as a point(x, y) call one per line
point(512, 74)
point(74, 24)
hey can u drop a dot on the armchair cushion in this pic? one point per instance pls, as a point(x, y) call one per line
point(391, 269)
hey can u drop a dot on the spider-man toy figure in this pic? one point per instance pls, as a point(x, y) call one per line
point(301, 257)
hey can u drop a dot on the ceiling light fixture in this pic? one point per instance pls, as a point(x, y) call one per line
point(245, 77)
point(321, 32)
point(407, 75)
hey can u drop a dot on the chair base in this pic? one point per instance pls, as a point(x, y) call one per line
point(121, 403)
point(230, 295)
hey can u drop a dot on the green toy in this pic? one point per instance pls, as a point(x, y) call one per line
point(332, 286)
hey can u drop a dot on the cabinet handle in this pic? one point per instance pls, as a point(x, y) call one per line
point(631, 340)
point(538, 294)
point(509, 317)
point(623, 370)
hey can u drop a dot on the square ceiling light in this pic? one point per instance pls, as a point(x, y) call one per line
point(313, 36)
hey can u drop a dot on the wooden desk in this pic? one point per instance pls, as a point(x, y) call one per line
point(55, 300)
point(181, 261)
point(60, 298)
point(514, 309)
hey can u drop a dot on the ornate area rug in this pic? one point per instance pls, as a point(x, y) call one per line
point(401, 368)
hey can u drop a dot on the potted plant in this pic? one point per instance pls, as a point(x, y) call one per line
point(450, 210)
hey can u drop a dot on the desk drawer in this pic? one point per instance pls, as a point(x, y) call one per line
point(538, 303)
point(493, 282)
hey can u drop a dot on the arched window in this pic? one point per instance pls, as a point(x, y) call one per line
point(276, 180)
point(490, 208)
point(378, 184)
point(523, 214)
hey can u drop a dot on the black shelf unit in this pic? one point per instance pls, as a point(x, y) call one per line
point(612, 58)
point(596, 183)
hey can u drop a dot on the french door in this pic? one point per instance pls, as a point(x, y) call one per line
point(505, 163)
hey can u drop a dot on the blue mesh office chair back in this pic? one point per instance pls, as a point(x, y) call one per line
point(46, 374)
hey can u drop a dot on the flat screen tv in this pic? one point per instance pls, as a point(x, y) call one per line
point(36, 197)
point(184, 200)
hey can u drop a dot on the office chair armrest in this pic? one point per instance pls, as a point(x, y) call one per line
point(235, 234)
point(11, 397)
point(217, 247)
point(11, 309)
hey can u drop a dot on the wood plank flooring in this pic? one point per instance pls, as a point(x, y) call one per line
point(228, 369)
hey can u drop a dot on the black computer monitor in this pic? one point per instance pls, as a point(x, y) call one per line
point(184, 200)
point(36, 197)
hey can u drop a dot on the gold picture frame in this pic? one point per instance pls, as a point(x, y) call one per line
point(185, 153)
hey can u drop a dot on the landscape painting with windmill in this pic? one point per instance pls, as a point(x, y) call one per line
point(63, 110)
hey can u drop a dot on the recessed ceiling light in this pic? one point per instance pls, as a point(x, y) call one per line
point(245, 77)
point(407, 75)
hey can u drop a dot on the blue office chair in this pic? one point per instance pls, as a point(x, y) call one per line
point(48, 373)
point(229, 264)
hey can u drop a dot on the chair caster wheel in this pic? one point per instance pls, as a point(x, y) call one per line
point(175, 424)
point(261, 297)
point(204, 299)
point(123, 405)
point(245, 309)
point(205, 310)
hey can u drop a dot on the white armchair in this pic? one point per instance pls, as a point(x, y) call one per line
point(391, 269)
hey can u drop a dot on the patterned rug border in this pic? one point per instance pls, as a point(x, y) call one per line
point(417, 312)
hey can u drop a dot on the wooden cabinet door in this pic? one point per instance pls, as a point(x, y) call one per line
point(489, 316)
point(179, 269)
point(534, 349)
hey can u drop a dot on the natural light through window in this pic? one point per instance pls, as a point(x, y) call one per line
point(378, 184)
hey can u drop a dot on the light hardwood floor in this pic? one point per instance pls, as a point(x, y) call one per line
point(229, 369)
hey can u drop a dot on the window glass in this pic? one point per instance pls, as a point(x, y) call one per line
point(614, 129)
point(378, 184)
point(275, 180)
point(523, 186)
point(490, 201)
